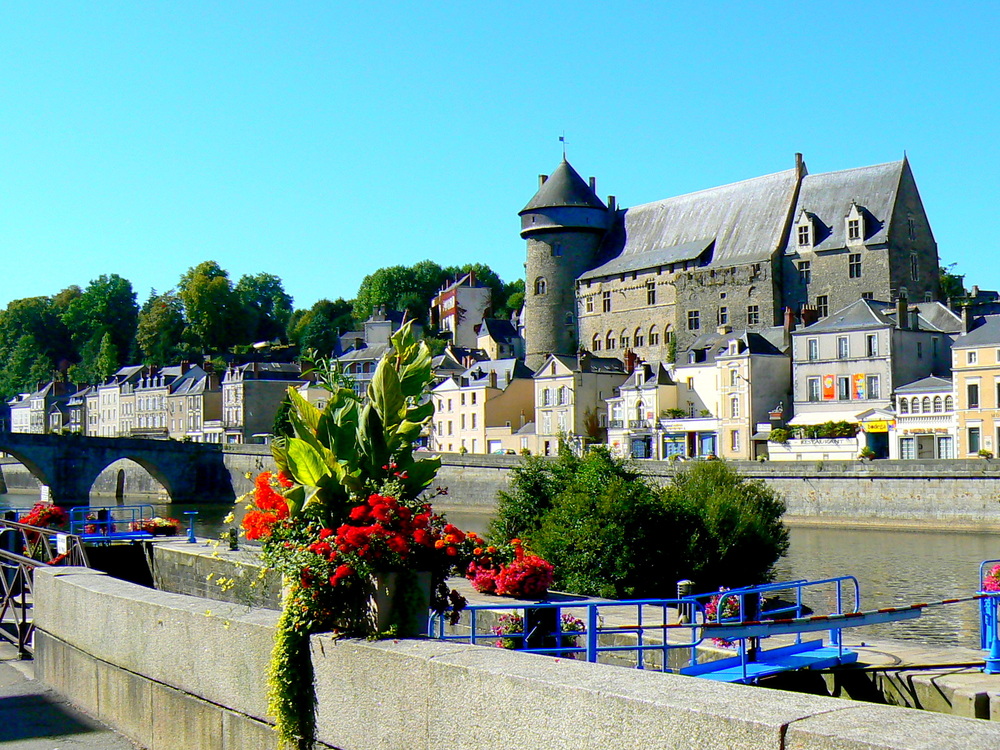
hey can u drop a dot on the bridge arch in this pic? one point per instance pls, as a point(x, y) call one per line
point(38, 470)
point(120, 484)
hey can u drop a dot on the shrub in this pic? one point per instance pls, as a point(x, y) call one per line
point(740, 519)
point(611, 532)
point(779, 435)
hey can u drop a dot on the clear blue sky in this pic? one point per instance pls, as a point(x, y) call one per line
point(320, 141)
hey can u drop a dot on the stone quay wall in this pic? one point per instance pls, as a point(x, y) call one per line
point(175, 671)
point(957, 494)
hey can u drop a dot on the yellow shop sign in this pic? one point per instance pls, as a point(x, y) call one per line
point(882, 426)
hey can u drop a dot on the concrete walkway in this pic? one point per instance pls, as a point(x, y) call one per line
point(34, 717)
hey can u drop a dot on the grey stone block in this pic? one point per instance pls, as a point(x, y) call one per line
point(242, 733)
point(68, 671)
point(181, 721)
point(125, 701)
point(867, 727)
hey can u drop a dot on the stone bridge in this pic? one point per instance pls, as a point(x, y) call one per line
point(68, 465)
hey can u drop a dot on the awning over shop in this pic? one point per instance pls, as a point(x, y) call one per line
point(820, 417)
point(761, 435)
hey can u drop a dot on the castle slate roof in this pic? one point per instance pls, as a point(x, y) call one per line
point(626, 263)
point(564, 187)
point(600, 365)
point(828, 198)
point(746, 220)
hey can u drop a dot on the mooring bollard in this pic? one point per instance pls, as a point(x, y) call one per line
point(191, 537)
point(234, 539)
point(685, 610)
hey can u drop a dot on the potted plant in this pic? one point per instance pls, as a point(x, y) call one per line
point(984, 453)
point(866, 454)
point(347, 520)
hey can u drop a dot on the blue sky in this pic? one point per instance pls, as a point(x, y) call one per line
point(321, 141)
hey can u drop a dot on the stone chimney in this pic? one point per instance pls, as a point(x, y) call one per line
point(583, 360)
point(902, 314)
point(966, 319)
point(185, 366)
point(914, 318)
point(493, 378)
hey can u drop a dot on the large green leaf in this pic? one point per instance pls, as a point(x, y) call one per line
point(308, 413)
point(416, 372)
point(306, 463)
point(385, 393)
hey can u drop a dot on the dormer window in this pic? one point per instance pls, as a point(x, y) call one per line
point(855, 224)
point(805, 230)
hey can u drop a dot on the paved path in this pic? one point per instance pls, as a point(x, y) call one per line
point(34, 717)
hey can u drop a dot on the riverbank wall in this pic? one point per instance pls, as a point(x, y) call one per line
point(170, 670)
point(957, 495)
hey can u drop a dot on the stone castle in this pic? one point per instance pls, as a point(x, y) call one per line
point(654, 277)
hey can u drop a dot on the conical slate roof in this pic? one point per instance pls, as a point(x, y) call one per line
point(564, 187)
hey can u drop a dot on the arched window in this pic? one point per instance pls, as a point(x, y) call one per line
point(609, 340)
point(540, 285)
point(916, 406)
point(925, 405)
point(640, 409)
point(638, 337)
point(624, 339)
point(595, 343)
point(904, 406)
point(938, 404)
point(654, 336)
point(949, 403)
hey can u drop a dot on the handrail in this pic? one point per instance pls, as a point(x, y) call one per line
point(542, 633)
point(17, 575)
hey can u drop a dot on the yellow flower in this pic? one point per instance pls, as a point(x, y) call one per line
point(229, 518)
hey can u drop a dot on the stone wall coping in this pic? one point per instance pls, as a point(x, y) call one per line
point(405, 693)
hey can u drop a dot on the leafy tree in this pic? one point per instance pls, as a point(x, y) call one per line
point(160, 329)
point(212, 308)
point(106, 363)
point(952, 285)
point(34, 344)
point(267, 306)
point(388, 286)
point(319, 327)
point(106, 307)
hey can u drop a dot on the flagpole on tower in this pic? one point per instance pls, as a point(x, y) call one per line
point(562, 140)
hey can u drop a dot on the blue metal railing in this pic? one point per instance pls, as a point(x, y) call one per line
point(539, 628)
point(107, 523)
point(989, 621)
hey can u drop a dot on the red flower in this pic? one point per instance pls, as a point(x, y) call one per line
point(258, 524)
point(324, 533)
point(359, 513)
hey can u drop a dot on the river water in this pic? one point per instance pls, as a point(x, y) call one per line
point(893, 567)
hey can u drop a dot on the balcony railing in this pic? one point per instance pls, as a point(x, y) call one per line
point(638, 424)
point(616, 424)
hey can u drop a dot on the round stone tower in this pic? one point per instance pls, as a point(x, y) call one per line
point(564, 225)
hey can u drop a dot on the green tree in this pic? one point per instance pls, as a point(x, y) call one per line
point(106, 363)
point(952, 285)
point(212, 308)
point(34, 344)
point(319, 327)
point(267, 306)
point(106, 307)
point(161, 328)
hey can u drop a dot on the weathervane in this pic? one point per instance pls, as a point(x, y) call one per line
point(562, 140)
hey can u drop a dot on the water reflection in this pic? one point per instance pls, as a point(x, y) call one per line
point(893, 567)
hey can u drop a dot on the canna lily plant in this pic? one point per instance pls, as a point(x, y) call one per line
point(346, 509)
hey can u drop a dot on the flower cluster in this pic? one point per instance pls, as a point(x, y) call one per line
point(44, 515)
point(509, 571)
point(268, 508)
point(991, 581)
point(730, 611)
point(157, 525)
point(510, 628)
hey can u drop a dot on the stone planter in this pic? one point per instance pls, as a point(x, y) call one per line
point(401, 603)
